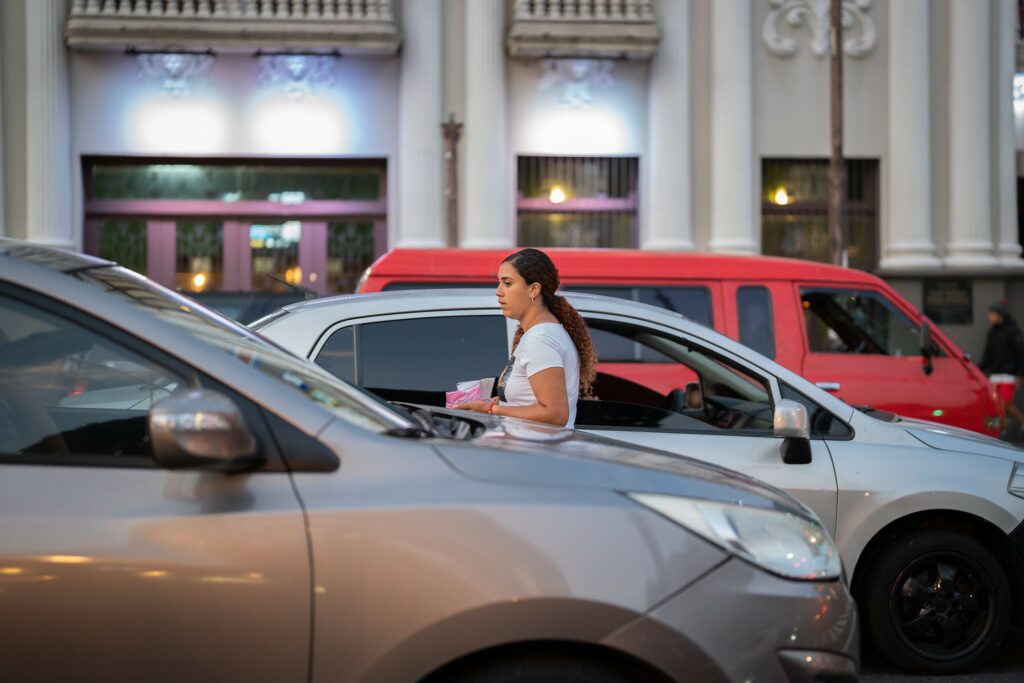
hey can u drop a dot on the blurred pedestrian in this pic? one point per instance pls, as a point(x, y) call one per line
point(1003, 358)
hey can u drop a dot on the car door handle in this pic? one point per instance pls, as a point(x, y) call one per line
point(828, 386)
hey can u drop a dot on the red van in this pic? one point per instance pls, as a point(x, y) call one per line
point(846, 330)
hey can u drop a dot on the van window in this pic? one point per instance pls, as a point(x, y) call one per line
point(857, 321)
point(694, 302)
point(407, 359)
point(754, 311)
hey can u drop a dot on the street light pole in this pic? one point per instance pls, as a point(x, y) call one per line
point(837, 168)
point(451, 129)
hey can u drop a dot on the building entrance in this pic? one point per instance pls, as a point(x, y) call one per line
point(253, 225)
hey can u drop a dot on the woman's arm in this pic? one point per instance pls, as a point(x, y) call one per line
point(552, 404)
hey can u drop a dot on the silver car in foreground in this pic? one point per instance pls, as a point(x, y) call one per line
point(927, 518)
point(183, 501)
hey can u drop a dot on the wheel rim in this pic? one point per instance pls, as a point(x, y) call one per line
point(942, 606)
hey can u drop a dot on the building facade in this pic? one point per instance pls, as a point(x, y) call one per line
point(234, 144)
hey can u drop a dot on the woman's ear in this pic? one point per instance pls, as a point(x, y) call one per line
point(534, 290)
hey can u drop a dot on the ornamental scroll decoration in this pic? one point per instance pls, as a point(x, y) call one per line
point(575, 77)
point(816, 14)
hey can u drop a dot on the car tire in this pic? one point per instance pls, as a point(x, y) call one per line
point(545, 668)
point(937, 602)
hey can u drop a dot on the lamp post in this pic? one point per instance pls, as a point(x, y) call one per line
point(837, 169)
point(451, 131)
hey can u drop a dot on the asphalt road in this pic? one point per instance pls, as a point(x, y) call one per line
point(1006, 666)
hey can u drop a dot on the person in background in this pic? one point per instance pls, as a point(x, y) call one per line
point(1003, 359)
point(553, 360)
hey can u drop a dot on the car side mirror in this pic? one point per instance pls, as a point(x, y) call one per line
point(793, 425)
point(927, 348)
point(201, 429)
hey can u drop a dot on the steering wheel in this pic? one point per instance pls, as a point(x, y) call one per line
point(715, 411)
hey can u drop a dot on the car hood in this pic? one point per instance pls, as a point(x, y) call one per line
point(946, 438)
point(522, 452)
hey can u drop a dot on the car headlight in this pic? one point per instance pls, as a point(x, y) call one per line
point(1016, 485)
point(782, 543)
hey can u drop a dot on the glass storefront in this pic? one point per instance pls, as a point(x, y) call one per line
point(207, 226)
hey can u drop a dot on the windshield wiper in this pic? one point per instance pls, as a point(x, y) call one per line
point(424, 427)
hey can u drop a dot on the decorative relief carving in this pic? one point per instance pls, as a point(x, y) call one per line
point(575, 77)
point(175, 72)
point(859, 34)
point(298, 75)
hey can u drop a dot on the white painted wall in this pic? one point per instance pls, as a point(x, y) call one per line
point(791, 95)
point(613, 124)
point(117, 112)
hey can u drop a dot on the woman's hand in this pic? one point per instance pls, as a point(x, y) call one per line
point(474, 406)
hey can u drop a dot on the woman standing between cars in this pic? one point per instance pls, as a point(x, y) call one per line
point(553, 360)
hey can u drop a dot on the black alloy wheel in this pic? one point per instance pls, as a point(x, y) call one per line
point(938, 602)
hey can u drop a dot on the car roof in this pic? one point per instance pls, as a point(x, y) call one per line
point(607, 265)
point(57, 259)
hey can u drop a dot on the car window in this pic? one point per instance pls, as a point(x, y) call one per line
point(338, 355)
point(857, 322)
point(65, 390)
point(823, 423)
point(398, 358)
point(694, 301)
point(754, 313)
point(346, 401)
point(686, 389)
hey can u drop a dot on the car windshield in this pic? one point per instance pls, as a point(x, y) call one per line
point(348, 401)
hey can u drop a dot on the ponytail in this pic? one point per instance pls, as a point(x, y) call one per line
point(574, 325)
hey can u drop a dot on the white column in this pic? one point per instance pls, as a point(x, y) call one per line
point(909, 240)
point(734, 197)
point(419, 221)
point(666, 217)
point(1008, 247)
point(970, 157)
point(486, 187)
point(48, 147)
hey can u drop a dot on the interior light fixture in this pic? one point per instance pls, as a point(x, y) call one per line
point(781, 197)
point(557, 195)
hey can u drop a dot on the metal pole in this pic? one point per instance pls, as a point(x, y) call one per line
point(837, 168)
point(451, 131)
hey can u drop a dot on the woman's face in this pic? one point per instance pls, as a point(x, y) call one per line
point(513, 292)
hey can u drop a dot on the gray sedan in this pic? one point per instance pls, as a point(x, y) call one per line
point(182, 500)
point(927, 518)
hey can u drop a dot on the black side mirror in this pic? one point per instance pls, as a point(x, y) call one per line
point(201, 429)
point(927, 347)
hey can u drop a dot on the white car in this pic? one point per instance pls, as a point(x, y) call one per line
point(927, 518)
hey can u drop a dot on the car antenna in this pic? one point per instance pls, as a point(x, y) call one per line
point(307, 293)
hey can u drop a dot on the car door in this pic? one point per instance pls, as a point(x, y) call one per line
point(858, 341)
point(721, 409)
point(110, 567)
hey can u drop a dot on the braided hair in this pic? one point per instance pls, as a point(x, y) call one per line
point(535, 266)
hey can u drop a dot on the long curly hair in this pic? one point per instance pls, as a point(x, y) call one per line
point(535, 266)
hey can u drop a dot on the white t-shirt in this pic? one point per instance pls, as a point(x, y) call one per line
point(543, 346)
